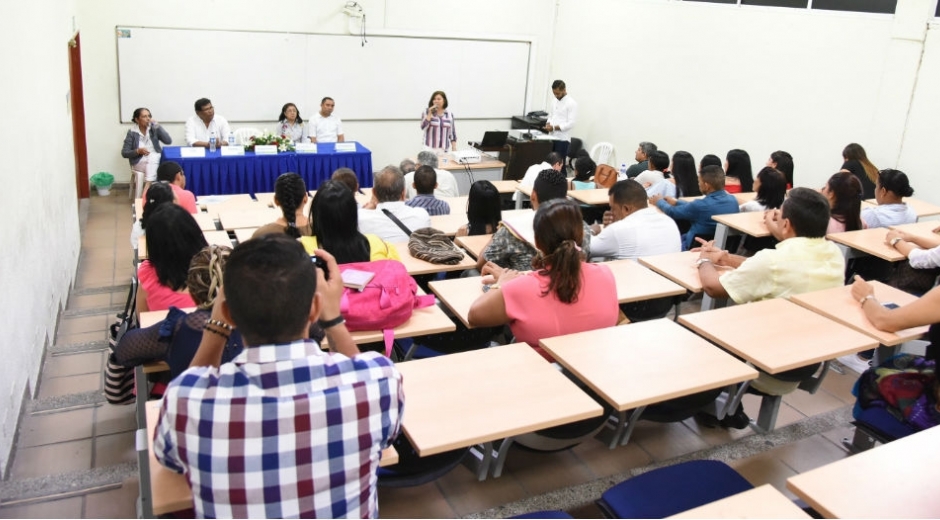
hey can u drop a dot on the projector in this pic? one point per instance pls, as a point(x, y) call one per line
point(468, 156)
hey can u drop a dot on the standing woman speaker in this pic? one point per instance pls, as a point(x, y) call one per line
point(438, 124)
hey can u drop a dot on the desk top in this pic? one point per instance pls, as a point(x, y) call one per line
point(214, 238)
point(169, 490)
point(505, 186)
point(636, 283)
point(236, 205)
point(244, 234)
point(205, 221)
point(750, 223)
point(474, 244)
point(458, 294)
point(678, 267)
point(675, 362)
point(452, 165)
point(449, 224)
point(921, 207)
point(895, 480)
point(415, 266)
point(473, 397)
point(777, 335)
point(761, 502)
point(525, 190)
point(837, 304)
point(922, 229)
point(596, 197)
point(869, 241)
point(248, 218)
point(207, 200)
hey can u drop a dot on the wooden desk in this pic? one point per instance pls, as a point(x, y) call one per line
point(205, 221)
point(506, 186)
point(525, 194)
point(206, 200)
point(415, 266)
point(169, 490)
point(597, 197)
point(675, 362)
point(244, 234)
point(234, 205)
point(921, 207)
point(458, 295)
point(488, 169)
point(895, 480)
point(921, 229)
point(761, 502)
point(247, 218)
point(484, 395)
point(475, 245)
point(449, 224)
point(777, 335)
point(867, 242)
point(458, 206)
point(636, 283)
point(837, 304)
point(748, 223)
point(214, 238)
point(678, 267)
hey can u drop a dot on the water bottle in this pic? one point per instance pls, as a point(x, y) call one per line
point(623, 170)
point(231, 139)
point(212, 142)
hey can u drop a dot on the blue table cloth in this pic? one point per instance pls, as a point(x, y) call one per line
point(217, 175)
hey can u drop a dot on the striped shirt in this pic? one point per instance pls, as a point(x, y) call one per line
point(282, 431)
point(439, 132)
point(432, 204)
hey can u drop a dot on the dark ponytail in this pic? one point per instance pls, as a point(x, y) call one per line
point(289, 191)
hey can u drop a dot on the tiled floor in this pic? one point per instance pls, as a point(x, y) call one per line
point(93, 442)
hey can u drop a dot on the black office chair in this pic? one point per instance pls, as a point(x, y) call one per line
point(576, 146)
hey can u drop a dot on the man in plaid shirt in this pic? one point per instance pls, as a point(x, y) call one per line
point(285, 429)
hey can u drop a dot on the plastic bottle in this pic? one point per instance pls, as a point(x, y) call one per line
point(231, 139)
point(212, 142)
point(623, 170)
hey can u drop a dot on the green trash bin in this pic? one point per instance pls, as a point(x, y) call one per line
point(103, 182)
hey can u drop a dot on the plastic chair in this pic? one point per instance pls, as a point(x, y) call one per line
point(603, 153)
point(243, 135)
point(671, 490)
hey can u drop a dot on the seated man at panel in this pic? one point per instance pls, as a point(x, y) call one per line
point(425, 181)
point(633, 229)
point(512, 246)
point(554, 161)
point(171, 173)
point(284, 430)
point(446, 183)
point(327, 128)
point(642, 155)
point(388, 194)
point(200, 127)
point(717, 201)
point(654, 179)
point(803, 261)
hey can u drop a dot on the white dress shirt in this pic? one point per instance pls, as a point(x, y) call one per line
point(564, 113)
point(446, 185)
point(326, 129)
point(645, 232)
point(530, 175)
point(924, 258)
point(197, 131)
point(376, 222)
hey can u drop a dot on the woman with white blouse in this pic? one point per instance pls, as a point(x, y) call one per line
point(290, 124)
point(141, 141)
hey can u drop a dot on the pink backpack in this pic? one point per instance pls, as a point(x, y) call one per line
point(386, 302)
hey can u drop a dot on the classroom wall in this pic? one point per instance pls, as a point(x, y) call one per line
point(922, 132)
point(40, 235)
point(389, 141)
point(707, 78)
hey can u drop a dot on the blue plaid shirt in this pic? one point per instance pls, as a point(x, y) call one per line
point(432, 204)
point(282, 431)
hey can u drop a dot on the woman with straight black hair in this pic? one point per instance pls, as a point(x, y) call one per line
point(709, 160)
point(290, 194)
point(173, 238)
point(684, 175)
point(771, 188)
point(783, 162)
point(334, 221)
point(739, 177)
point(484, 210)
point(844, 192)
point(290, 124)
point(159, 193)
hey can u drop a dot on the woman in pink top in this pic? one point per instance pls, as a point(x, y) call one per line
point(563, 295)
point(173, 238)
point(844, 192)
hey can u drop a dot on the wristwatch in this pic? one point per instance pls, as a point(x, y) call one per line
point(894, 241)
point(864, 299)
point(700, 261)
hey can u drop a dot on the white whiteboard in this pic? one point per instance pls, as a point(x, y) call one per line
point(250, 75)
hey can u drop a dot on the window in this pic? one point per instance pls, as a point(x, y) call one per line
point(863, 6)
point(799, 4)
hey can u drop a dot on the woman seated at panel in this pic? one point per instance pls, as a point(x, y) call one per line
point(290, 194)
point(844, 192)
point(739, 177)
point(334, 222)
point(290, 124)
point(177, 337)
point(484, 210)
point(143, 139)
point(905, 386)
point(891, 210)
point(173, 238)
point(564, 294)
point(158, 194)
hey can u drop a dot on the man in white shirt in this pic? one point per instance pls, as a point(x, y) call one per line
point(446, 183)
point(200, 127)
point(388, 193)
point(554, 161)
point(564, 113)
point(327, 128)
point(632, 228)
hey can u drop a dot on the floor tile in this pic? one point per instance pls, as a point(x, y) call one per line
point(37, 430)
point(79, 324)
point(603, 462)
point(116, 503)
point(118, 448)
point(72, 364)
point(466, 495)
point(540, 472)
point(90, 301)
point(52, 459)
point(809, 453)
point(812, 404)
point(664, 441)
point(765, 468)
point(840, 385)
point(836, 435)
point(114, 418)
point(81, 337)
point(65, 508)
point(56, 386)
point(589, 510)
point(414, 502)
point(716, 436)
point(786, 414)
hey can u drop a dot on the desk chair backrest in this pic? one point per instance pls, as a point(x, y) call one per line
point(603, 153)
point(242, 135)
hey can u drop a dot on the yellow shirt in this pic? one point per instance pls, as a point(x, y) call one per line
point(378, 248)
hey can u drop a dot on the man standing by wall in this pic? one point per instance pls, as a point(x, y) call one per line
point(562, 119)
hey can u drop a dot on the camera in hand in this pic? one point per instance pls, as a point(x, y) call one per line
point(321, 264)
